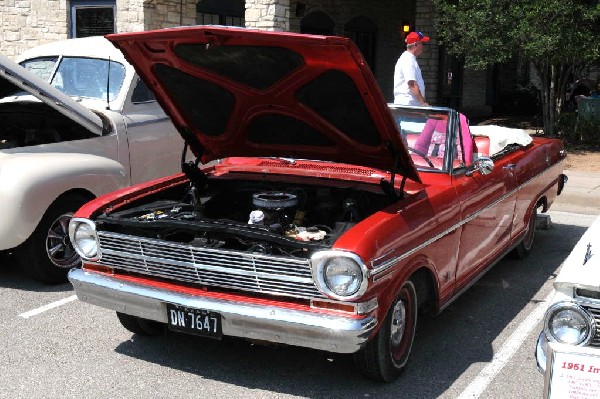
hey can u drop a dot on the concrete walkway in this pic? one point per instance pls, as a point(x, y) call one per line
point(581, 193)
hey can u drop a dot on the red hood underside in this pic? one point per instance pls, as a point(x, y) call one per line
point(237, 92)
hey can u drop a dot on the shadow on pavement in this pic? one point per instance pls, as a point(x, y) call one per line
point(445, 347)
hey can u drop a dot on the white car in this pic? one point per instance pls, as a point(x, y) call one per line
point(568, 348)
point(81, 125)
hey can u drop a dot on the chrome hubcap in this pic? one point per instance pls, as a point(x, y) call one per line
point(58, 245)
point(398, 323)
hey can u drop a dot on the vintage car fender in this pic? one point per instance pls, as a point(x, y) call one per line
point(27, 191)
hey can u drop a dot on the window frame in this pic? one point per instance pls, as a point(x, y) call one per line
point(89, 4)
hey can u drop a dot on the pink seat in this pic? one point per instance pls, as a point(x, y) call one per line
point(482, 146)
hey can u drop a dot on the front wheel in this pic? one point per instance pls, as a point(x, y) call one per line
point(140, 326)
point(48, 255)
point(385, 356)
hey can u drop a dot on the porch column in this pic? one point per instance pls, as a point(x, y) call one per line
point(271, 15)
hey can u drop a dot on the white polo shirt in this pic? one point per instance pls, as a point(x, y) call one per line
point(407, 69)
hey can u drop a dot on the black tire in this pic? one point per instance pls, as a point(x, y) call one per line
point(140, 326)
point(524, 247)
point(385, 356)
point(48, 255)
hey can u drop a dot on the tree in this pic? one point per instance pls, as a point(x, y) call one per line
point(556, 36)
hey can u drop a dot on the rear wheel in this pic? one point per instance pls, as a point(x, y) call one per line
point(385, 356)
point(138, 325)
point(524, 247)
point(48, 255)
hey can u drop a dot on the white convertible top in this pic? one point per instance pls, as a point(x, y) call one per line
point(501, 136)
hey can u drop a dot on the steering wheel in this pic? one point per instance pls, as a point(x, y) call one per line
point(422, 155)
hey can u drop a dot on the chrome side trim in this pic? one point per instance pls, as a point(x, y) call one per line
point(329, 332)
point(379, 266)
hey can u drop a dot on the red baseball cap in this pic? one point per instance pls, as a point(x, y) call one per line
point(414, 37)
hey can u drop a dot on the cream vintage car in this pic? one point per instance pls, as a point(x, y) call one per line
point(84, 125)
point(568, 348)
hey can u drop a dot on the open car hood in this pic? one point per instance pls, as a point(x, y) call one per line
point(15, 80)
point(239, 92)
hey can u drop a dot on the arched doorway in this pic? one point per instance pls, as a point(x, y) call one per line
point(317, 23)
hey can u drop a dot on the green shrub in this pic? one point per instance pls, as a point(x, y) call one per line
point(567, 127)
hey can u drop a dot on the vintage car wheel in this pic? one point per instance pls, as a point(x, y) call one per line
point(524, 247)
point(48, 255)
point(140, 326)
point(385, 356)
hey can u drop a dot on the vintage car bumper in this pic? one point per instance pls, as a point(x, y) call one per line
point(541, 352)
point(329, 332)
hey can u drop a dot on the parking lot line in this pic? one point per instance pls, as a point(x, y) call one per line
point(506, 351)
point(49, 306)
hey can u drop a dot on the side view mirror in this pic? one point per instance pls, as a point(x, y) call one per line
point(484, 165)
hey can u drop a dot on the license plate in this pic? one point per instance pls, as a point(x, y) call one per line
point(194, 321)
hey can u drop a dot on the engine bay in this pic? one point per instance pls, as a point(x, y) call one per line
point(25, 124)
point(255, 216)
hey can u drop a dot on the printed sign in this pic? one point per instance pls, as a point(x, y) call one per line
point(572, 372)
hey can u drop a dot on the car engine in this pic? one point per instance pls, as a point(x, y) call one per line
point(270, 218)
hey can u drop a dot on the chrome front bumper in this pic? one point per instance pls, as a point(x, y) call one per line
point(328, 332)
point(541, 350)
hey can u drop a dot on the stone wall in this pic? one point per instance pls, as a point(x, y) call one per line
point(27, 23)
point(387, 15)
point(270, 15)
point(157, 14)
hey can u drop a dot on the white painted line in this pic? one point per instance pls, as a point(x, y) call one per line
point(508, 349)
point(49, 306)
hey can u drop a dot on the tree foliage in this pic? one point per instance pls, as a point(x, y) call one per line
point(556, 36)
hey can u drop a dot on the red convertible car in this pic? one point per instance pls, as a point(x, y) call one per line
point(315, 214)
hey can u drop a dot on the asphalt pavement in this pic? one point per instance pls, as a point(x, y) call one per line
point(581, 193)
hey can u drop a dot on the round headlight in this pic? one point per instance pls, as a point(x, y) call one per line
point(343, 276)
point(84, 238)
point(569, 323)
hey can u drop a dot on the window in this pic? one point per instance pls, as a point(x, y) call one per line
point(80, 77)
point(221, 12)
point(92, 17)
point(142, 94)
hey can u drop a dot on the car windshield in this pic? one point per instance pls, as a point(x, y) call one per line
point(78, 76)
point(426, 133)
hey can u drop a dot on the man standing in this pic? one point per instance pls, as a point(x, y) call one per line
point(409, 87)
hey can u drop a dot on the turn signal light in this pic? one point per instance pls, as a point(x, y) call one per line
point(98, 268)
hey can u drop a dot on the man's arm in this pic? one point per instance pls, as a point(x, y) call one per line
point(415, 91)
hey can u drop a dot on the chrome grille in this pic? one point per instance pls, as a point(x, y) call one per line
point(268, 274)
point(595, 312)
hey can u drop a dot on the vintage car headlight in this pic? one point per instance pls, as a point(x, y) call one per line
point(84, 238)
point(569, 323)
point(339, 275)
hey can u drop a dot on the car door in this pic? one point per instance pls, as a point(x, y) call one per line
point(487, 205)
point(154, 144)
